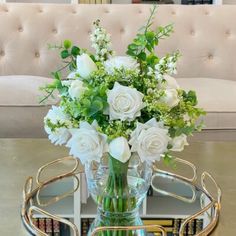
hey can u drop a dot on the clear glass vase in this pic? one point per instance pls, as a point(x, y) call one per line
point(118, 190)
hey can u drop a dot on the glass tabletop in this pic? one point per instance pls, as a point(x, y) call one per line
point(59, 203)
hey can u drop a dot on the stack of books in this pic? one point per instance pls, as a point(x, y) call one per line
point(196, 2)
point(51, 227)
point(172, 226)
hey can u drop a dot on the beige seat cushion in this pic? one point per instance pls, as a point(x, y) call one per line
point(217, 97)
point(21, 115)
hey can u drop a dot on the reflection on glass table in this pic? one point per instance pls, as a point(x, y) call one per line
point(59, 203)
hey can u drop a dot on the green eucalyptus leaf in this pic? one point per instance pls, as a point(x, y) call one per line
point(67, 44)
point(64, 54)
point(75, 51)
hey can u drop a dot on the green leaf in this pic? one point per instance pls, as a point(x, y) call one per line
point(150, 36)
point(86, 103)
point(142, 56)
point(64, 54)
point(96, 107)
point(75, 51)
point(67, 44)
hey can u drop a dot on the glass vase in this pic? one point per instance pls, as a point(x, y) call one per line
point(118, 189)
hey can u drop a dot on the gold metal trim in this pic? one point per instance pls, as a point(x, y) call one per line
point(59, 197)
point(59, 176)
point(29, 192)
point(179, 197)
point(51, 216)
point(182, 161)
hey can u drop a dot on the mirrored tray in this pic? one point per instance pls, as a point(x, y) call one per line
point(173, 196)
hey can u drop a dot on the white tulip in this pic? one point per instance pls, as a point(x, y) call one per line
point(85, 65)
point(125, 103)
point(170, 82)
point(120, 62)
point(170, 98)
point(119, 149)
point(86, 143)
point(178, 143)
point(149, 140)
point(76, 89)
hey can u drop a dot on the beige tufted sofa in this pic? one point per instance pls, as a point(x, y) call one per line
point(205, 36)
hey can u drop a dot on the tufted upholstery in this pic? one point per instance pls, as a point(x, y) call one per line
point(205, 36)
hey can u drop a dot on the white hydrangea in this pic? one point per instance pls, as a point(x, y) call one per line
point(120, 62)
point(57, 124)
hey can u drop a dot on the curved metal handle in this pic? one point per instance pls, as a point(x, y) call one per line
point(215, 204)
point(219, 192)
point(182, 161)
point(179, 197)
point(58, 197)
point(26, 192)
point(51, 216)
point(40, 170)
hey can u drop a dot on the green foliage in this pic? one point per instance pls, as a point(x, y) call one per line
point(143, 46)
point(147, 79)
point(169, 160)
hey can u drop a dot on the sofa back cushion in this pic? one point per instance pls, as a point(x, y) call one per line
point(205, 35)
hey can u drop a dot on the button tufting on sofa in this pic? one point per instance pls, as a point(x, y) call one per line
point(37, 54)
point(228, 32)
point(210, 56)
point(20, 29)
point(55, 31)
point(192, 32)
point(2, 53)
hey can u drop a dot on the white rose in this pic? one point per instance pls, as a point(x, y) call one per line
point(124, 103)
point(85, 65)
point(59, 133)
point(76, 89)
point(170, 98)
point(120, 62)
point(178, 143)
point(149, 140)
point(86, 143)
point(119, 149)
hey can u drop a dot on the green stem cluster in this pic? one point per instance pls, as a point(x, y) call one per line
point(116, 198)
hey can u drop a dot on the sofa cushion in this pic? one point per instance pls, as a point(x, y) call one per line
point(217, 97)
point(21, 115)
point(22, 90)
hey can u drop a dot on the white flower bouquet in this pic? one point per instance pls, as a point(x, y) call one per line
point(121, 105)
